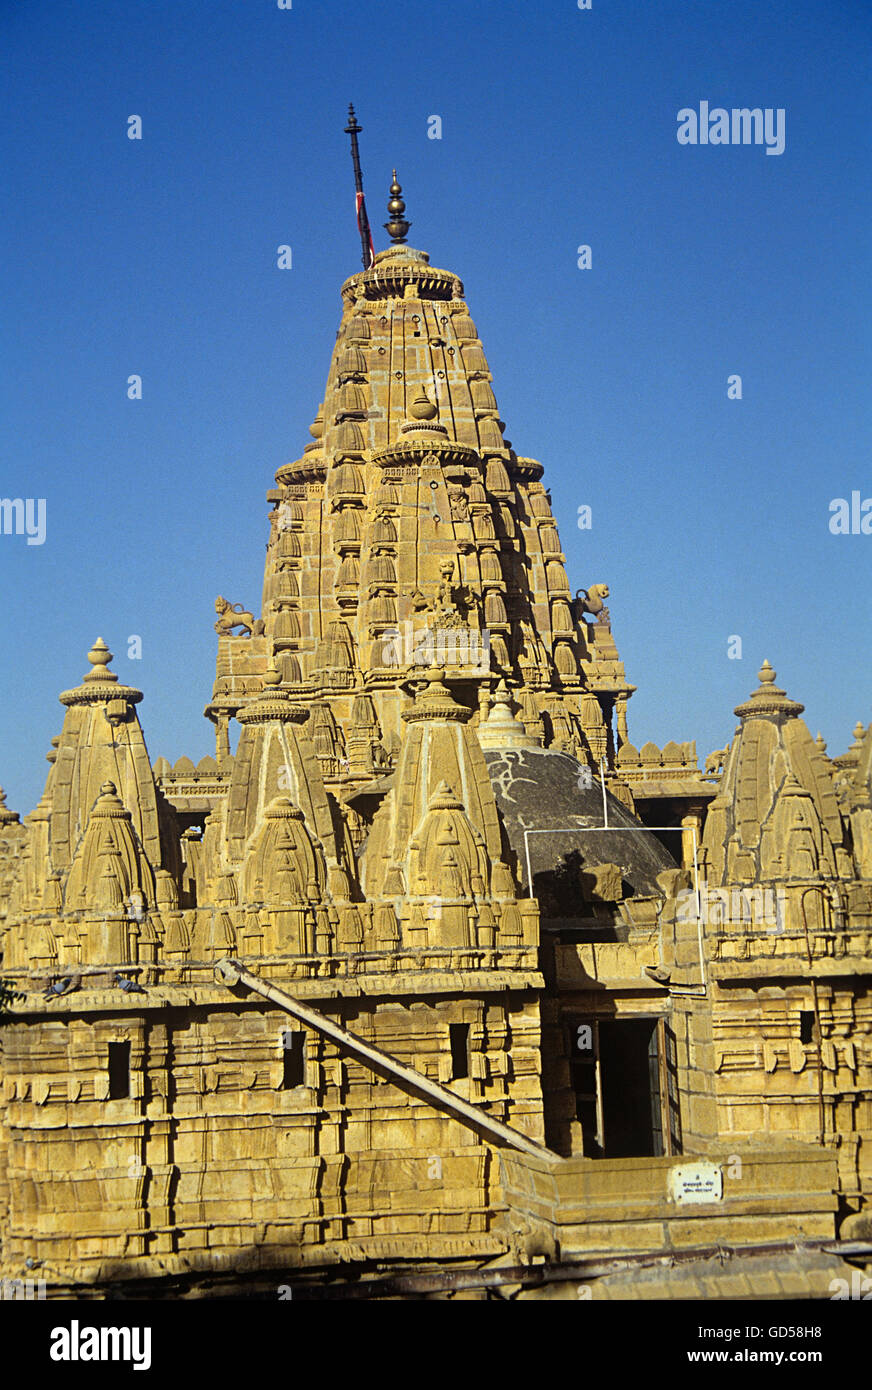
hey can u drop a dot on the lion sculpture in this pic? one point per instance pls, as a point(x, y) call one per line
point(232, 615)
point(714, 763)
point(591, 600)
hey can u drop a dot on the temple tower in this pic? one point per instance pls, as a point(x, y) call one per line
point(410, 534)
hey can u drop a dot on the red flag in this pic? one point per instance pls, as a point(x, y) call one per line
point(363, 221)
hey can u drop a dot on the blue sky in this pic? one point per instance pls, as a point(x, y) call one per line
point(158, 257)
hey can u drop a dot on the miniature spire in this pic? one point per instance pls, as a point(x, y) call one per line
point(7, 816)
point(769, 700)
point(398, 226)
point(503, 728)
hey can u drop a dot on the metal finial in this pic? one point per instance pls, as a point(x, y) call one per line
point(398, 226)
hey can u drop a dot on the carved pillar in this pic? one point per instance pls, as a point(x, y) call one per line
point(691, 821)
point(607, 707)
point(623, 734)
point(222, 740)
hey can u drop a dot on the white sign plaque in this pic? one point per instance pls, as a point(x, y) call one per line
point(696, 1182)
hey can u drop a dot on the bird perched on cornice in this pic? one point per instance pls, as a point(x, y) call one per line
point(63, 986)
point(129, 986)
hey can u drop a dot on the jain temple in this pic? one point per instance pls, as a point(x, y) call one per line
point(436, 981)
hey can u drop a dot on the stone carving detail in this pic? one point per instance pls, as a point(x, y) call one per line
point(592, 601)
point(233, 615)
point(458, 502)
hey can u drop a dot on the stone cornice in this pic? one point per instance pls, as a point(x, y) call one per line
point(769, 701)
point(526, 470)
point(416, 449)
point(268, 707)
point(389, 280)
point(100, 692)
point(312, 469)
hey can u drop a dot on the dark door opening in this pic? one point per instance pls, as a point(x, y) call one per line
point(631, 1088)
point(293, 1059)
point(617, 1074)
point(119, 1070)
point(458, 1037)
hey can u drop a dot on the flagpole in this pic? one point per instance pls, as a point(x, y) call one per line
point(353, 129)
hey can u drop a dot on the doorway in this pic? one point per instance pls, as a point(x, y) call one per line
point(625, 1094)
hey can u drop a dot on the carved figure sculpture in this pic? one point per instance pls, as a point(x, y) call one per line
point(714, 763)
point(591, 600)
point(230, 616)
point(457, 502)
point(454, 602)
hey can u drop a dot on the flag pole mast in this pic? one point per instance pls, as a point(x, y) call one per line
point(353, 129)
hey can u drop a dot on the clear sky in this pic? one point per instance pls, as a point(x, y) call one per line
point(157, 257)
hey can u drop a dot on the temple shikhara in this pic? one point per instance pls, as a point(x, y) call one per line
point(429, 975)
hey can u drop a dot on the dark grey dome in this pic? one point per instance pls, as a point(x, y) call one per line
point(541, 790)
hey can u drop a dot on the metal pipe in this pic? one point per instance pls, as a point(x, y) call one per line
point(230, 973)
point(568, 1271)
point(605, 803)
point(814, 888)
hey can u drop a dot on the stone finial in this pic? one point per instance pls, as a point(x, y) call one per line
point(422, 417)
point(7, 817)
point(101, 686)
point(422, 408)
point(769, 700)
point(99, 657)
point(850, 759)
point(434, 700)
point(820, 744)
point(273, 703)
point(397, 227)
point(503, 728)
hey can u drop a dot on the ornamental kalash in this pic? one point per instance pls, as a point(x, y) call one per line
point(436, 981)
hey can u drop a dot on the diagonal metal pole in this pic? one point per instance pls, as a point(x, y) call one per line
point(231, 972)
point(353, 129)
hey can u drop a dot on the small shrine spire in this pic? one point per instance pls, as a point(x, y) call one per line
point(398, 227)
point(7, 816)
point(353, 129)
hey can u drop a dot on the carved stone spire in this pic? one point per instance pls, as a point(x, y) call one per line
point(102, 741)
point(776, 816)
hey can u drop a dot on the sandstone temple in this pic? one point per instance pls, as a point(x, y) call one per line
point(429, 977)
